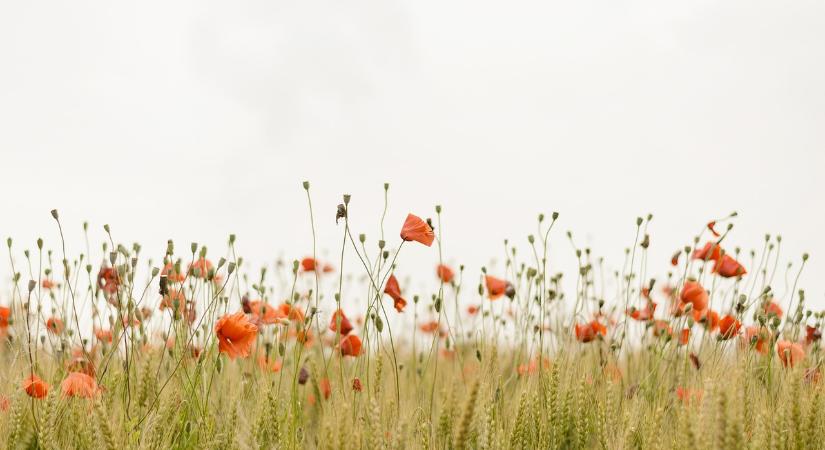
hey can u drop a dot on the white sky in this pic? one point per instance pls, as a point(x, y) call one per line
point(191, 120)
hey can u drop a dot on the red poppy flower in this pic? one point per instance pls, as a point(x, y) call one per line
point(472, 310)
point(415, 229)
point(235, 335)
point(77, 384)
point(264, 313)
point(394, 291)
point(339, 323)
point(728, 327)
point(356, 385)
point(350, 345)
point(444, 273)
point(308, 264)
point(5, 316)
point(35, 387)
point(291, 312)
point(728, 267)
point(711, 227)
point(710, 252)
point(103, 335)
point(688, 396)
point(674, 260)
point(812, 334)
point(325, 387)
point(790, 353)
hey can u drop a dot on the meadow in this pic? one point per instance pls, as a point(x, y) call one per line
point(196, 349)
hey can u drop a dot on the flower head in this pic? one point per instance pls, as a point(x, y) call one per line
point(235, 334)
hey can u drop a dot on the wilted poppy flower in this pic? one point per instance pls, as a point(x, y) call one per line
point(303, 376)
point(103, 335)
point(171, 273)
point(35, 387)
point(728, 327)
point(711, 227)
point(77, 384)
point(325, 387)
point(393, 290)
point(812, 334)
point(350, 345)
point(108, 280)
point(758, 337)
point(444, 273)
point(728, 267)
point(812, 375)
point(339, 323)
point(496, 287)
point(235, 334)
point(695, 294)
point(200, 268)
point(710, 252)
point(54, 325)
point(709, 318)
point(415, 229)
point(790, 353)
point(356, 385)
point(588, 332)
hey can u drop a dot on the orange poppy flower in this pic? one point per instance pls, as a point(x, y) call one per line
point(497, 287)
point(291, 312)
point(5, 316)
point(688, 396)
point(430, 327)
point(728, 267)
point(77, 384)
point(710, 252)
point(773, 308)
point(709, 318)
point(325, 387)
point(415, 229)
point(350, 345)
point(5, 404)
point(472, 310)
point(54, 325)
point(263, 313)
point(35, 387)
point(235, 335)
point(790, 353)
point(661, 328)
point(394, 291)
point(308, 264)
point(174, 300)
point(711, 227)
point(108, 280)
point(339, 323)
point(171, 274)
point(200, 268)
point(684, 336)
point(590, 331)
point(728, 327)
point(758, 337)
point(674, 260)
point(444, 273)
point(48, 284)
point(269, 364)
point(103, 335)
point(695, 294)
point(642, 314)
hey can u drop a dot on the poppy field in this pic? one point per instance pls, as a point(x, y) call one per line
point(197, 349)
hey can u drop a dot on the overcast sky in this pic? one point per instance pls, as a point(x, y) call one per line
point(193, 120)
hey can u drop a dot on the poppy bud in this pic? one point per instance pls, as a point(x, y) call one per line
point(804, 257)
point(510, 291)
point(639, 221)
point(32, 284)
point(54, 214)
point(8, 242)
point(347, 197)
point(303, 376)
point(306, 187)
point(386, 186)
point(438, 209)
point(362, 237)
point(381, 244)
point(230, 268)
point(530, 238)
